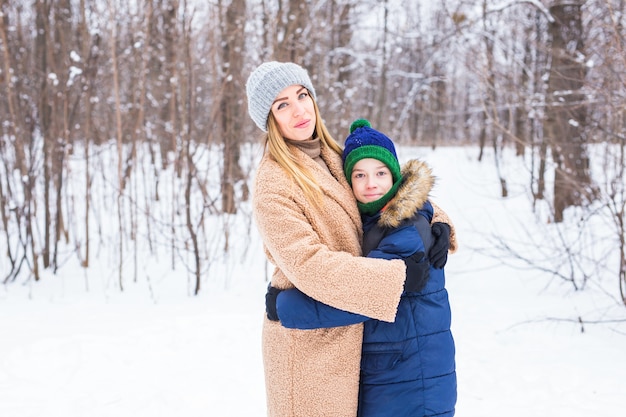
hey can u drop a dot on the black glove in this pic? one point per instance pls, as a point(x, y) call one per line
point(270, 302)
point(417, 272)
point(438, 254)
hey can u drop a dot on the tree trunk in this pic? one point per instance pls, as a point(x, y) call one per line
point(520, 113)
point(61, 122)
point(232, 128)
point(118, 135)
point(382, 93)
point(41, 52)
point(565, 123)
point(290, 44)
point(340, 14)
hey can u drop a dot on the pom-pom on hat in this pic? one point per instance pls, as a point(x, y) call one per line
point(365, 142)
point(269, 79)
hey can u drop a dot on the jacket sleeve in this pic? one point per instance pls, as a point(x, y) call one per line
point(297, 310)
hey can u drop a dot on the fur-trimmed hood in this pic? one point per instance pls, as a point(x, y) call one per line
point(417, 181)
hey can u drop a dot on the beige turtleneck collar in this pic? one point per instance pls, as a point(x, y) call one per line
point(311, 147)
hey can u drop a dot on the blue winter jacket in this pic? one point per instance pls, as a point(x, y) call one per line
point(407, 367)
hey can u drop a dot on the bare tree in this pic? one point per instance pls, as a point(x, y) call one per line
point(61, 141)
point(13, 142)
point(231, 100)
point(606, 88)
point(44, 113)
point(565, 124)
point(290, 42)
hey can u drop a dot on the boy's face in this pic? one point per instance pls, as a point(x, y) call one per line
point(371, 179)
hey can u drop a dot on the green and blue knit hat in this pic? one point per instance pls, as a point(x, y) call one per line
point(365, 142)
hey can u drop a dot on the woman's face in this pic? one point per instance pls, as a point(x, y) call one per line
point(371, 179)
point(294, 113)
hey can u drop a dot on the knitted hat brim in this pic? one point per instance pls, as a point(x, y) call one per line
point(374, 152)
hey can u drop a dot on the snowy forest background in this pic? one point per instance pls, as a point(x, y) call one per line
point(132, 273)
point(125, 138)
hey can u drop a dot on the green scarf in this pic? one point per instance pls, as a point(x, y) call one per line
point(375, 206)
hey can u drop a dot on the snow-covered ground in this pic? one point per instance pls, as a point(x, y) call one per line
point(154, 351)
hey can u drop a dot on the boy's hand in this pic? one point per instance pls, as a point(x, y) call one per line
point(438, 254)
point(417, 272)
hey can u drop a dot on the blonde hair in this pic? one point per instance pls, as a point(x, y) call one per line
point(277, 147)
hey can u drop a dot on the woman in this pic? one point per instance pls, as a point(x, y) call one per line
point(308, 219)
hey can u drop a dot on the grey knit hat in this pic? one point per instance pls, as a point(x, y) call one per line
point(269, 79)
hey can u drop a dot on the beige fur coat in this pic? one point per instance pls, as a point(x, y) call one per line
point(316, 372)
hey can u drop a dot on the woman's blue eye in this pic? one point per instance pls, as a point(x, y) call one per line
point(280, 106)
point(303, 95)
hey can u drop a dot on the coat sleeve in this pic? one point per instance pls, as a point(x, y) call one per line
point(441, 216)
point(370, 287)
